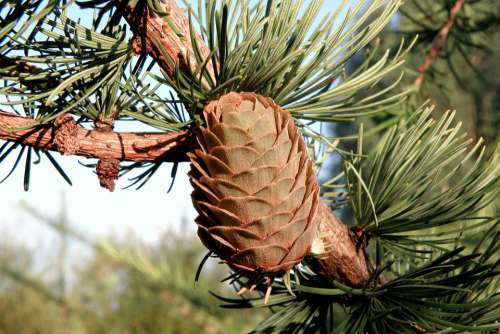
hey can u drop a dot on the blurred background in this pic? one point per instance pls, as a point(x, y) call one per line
point(83, 260)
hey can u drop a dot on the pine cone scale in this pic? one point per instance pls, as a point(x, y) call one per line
point(267, 224)
point(237, 158)
point(223, 188)
point(236, 235)
point(254, 179)
point(296, 252)
point(276, 190)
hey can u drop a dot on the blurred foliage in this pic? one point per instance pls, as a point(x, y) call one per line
point(466, 72)
point(123, 286)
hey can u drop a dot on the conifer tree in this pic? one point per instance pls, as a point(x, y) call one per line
point(240, 89)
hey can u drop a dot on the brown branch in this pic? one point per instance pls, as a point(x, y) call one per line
point(439, 40)
point(168, 147)
point(336, 254)
point(153, 32)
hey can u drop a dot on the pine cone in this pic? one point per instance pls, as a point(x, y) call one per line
point(254, 187)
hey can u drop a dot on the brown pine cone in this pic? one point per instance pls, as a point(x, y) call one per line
point(254, 187)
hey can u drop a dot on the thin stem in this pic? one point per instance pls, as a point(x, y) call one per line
point(439, 41)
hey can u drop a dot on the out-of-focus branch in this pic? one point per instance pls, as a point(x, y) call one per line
point(439, 40)
point(21, 69)
point(17, 65)
point(66, 137)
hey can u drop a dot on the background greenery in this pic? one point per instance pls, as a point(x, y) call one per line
point(120, 286)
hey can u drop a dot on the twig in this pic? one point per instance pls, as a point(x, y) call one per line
point(439, 41)
point(16, 67)
point(125, 146)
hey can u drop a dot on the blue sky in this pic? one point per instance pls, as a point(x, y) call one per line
point(147, 213)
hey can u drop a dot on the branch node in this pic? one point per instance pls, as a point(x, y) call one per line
point(107, 168)
point(105, 123)
point(107, 171)
point(66, 135)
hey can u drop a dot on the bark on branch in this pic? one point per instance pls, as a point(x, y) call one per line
point(153, 32)
point(169, 147)
point(439, 40)
point(336, 254)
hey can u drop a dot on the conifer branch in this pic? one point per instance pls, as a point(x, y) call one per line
point(439, 40)
point(125, 146)
point(164, 34)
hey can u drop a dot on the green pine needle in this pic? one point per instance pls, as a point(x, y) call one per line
point(419, 178)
